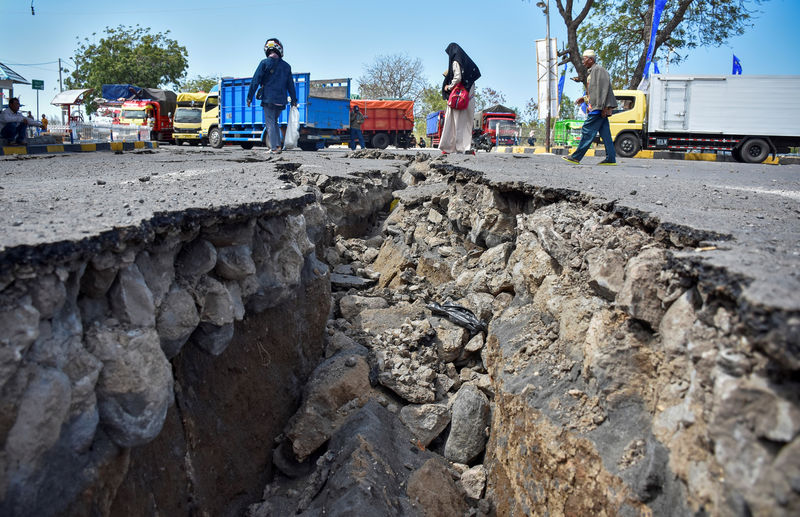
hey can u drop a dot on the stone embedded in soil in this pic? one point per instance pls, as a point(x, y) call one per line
point(434, 490)
point(135, 385)
point(473, 481)
point(335, 390)
point(351, 306)
point(350, 281)
point(467, 437)
point(426, 421)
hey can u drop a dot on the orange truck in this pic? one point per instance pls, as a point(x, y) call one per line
point(388, 122)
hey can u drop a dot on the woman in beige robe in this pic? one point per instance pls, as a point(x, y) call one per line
point(457, 128)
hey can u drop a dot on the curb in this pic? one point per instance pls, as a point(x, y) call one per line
point(75, 148)
point(648, 155)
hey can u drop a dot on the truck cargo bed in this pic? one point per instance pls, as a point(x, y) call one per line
point(751, 105)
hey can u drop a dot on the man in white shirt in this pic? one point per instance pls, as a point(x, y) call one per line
point(14, 125)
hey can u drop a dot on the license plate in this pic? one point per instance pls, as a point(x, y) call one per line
point(661, 142)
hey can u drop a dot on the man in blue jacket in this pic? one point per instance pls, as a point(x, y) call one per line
point(274, 76)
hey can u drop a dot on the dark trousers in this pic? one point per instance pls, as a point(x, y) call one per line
point(595, 124)
point(14, 131)
point(356, 134)
point(271, 114)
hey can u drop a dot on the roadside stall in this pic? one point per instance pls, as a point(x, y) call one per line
point(71, 100)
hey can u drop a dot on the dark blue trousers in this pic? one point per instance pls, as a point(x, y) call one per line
point(14, 131)
point(592, 125)
point(356, 134)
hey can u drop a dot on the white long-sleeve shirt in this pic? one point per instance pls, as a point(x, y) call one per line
point(7, 117)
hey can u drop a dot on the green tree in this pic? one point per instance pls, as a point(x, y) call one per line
point(199, 84)
point(430, 100)
point(566, 110)
point(619, 30)
point(128, 55)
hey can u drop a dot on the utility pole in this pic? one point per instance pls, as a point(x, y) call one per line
point(546, 8)
point(60, 88)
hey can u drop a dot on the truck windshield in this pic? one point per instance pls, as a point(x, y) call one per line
point(188, 115)
point(134, 114)
point(624, 103)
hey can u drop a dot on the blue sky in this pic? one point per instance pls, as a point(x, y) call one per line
point(332, 39)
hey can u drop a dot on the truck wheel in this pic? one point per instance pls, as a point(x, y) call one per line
point(755, 150)
point(380, 141)
point(736, 153)
point(627, 145)
point(215, 138)
point(247, 145)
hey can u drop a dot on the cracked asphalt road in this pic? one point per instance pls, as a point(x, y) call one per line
point(52, 198)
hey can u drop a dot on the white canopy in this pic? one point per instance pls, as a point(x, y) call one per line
point(69, 97)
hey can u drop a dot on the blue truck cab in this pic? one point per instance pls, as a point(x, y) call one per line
point(323, 120)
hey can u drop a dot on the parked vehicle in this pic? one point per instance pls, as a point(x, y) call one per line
point(567, 132)
point(187, 122)
point(154, 108)
point(433, 127)
point(210, 119)
point(323, 120)
point(388, 122)
point(752, 116)
point(493, 126)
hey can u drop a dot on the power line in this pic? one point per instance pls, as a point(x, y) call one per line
point(32, 64)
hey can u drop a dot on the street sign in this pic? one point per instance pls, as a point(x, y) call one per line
point(37, 84)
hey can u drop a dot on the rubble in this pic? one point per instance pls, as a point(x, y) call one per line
point(596, 374)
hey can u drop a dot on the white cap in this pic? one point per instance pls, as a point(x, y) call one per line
point(590, 54)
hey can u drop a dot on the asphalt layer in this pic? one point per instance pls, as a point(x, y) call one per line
point(52, 198)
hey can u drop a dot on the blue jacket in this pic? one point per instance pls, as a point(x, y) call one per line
point(275, 78)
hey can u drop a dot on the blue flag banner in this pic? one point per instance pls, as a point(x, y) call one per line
point(658, 10)
point(655, 68)
point(737, 66)
point(561, 83)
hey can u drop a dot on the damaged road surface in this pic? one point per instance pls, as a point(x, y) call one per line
point(397, 333)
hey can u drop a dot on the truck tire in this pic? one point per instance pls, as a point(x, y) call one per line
point(754, 150)
point(215, 138)
point(380, 141)
point(627, 145)
point(736, 153)
point(247, 145)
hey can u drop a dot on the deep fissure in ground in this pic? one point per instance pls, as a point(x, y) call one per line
point(309, 377)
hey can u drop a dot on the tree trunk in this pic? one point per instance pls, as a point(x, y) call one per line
point(565, 10)
point(661, 37)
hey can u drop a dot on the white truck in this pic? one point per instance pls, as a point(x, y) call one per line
point(752, 116)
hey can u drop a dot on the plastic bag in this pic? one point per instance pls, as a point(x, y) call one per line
point(292, 129)
point(459, 315)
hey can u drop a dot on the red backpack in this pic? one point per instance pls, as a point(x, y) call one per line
point(459, 98)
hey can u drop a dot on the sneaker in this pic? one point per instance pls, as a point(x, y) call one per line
point(570, 159)
point(606, 162)
point(445, 152)
point(471, 151)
